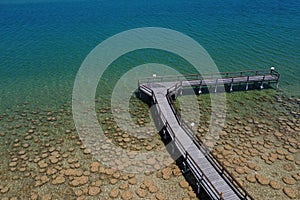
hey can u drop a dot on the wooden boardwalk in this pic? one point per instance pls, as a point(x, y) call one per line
point(209, 173)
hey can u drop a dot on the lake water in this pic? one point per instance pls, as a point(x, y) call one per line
point(43, 44)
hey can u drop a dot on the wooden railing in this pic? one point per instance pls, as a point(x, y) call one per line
point(175, 111)
point(186, 154)
point(231, 181)
point(216, 164)
point(202, 147)
point(235, 185)
point(220, 75)
point(203, 177)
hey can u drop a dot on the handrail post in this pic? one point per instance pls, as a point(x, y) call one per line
point(277, 84)
point(216, 87)
point(262, 82)
point(231, 85)
point(272, 69)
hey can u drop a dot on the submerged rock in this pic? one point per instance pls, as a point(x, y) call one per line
point(290, 192)
point(114, 193)
point(93, 191)
point(275, 185)
point(263, 180)
point(127, 195)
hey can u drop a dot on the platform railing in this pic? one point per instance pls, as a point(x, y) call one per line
point(220, 75)
point(203, 177)
point(231, 181)
point(235, 185)
point(217, 165)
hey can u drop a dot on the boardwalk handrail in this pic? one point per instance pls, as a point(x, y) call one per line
point(177, 86)
point(188, 156)
point(219, 75)
point(216, 164)
point(175, 111)
point(205, 150)
point(171, 131)
point(180, 81)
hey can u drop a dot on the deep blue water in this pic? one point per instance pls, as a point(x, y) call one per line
point(43, 42)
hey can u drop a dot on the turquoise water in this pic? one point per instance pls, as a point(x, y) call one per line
point(43, 42)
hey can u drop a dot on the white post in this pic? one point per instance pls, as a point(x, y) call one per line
point(198, 188)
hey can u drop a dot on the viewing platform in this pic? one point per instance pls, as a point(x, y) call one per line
point(208, 172)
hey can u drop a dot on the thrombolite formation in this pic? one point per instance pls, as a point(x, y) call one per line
point(42, 153)
point(57, 161)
